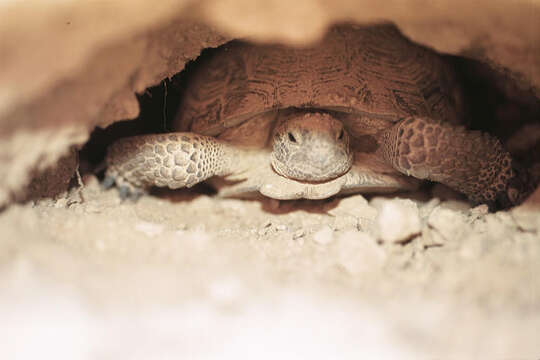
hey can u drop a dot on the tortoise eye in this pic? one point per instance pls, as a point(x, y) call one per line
point(341, 134)
point(291, 137)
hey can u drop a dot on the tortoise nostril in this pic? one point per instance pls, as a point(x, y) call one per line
point(291, 137)
point(341, 134)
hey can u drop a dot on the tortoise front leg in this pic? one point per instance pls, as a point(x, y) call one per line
point(470, 162)
point(175, 160)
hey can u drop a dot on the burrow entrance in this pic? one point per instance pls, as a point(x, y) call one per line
point(495, 103)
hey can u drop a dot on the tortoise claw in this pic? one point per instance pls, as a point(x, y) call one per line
point(518, 188)
point(124, 191)
point(127, 193)
point(108, 182)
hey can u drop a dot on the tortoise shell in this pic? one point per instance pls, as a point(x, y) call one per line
point(373, 73)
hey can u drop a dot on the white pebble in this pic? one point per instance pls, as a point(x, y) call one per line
point(265, 228)
point(449, 223)
point(181, 226)
point(324, 236)
point(359, 252)
point(149, 229)
point(398, 220)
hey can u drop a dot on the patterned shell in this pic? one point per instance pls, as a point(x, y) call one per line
point(373, 72)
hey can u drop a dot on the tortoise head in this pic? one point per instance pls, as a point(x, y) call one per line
point(310, 146)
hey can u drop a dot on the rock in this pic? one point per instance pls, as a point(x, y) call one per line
point(478, 211)
point(473, 248)
point(346, 222)
point(428, 207)
point(450, 224)
point(358, 252)
point(324, 236)
point(353, 211)
point(265, 228)
point(150, 229)
point(398, 220)
point(527, 218)
point(430, 238)
point(298, 234)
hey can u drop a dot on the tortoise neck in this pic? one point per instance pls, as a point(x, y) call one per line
point(240, 159)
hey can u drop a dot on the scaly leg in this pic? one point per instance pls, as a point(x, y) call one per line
point(471, 162)
point(175, 160)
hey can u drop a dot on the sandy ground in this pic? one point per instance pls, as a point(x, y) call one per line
point(187, 275)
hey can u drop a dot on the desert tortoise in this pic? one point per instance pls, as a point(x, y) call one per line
point(363, 110)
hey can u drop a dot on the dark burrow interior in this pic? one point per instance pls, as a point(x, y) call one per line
point(495, 103)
